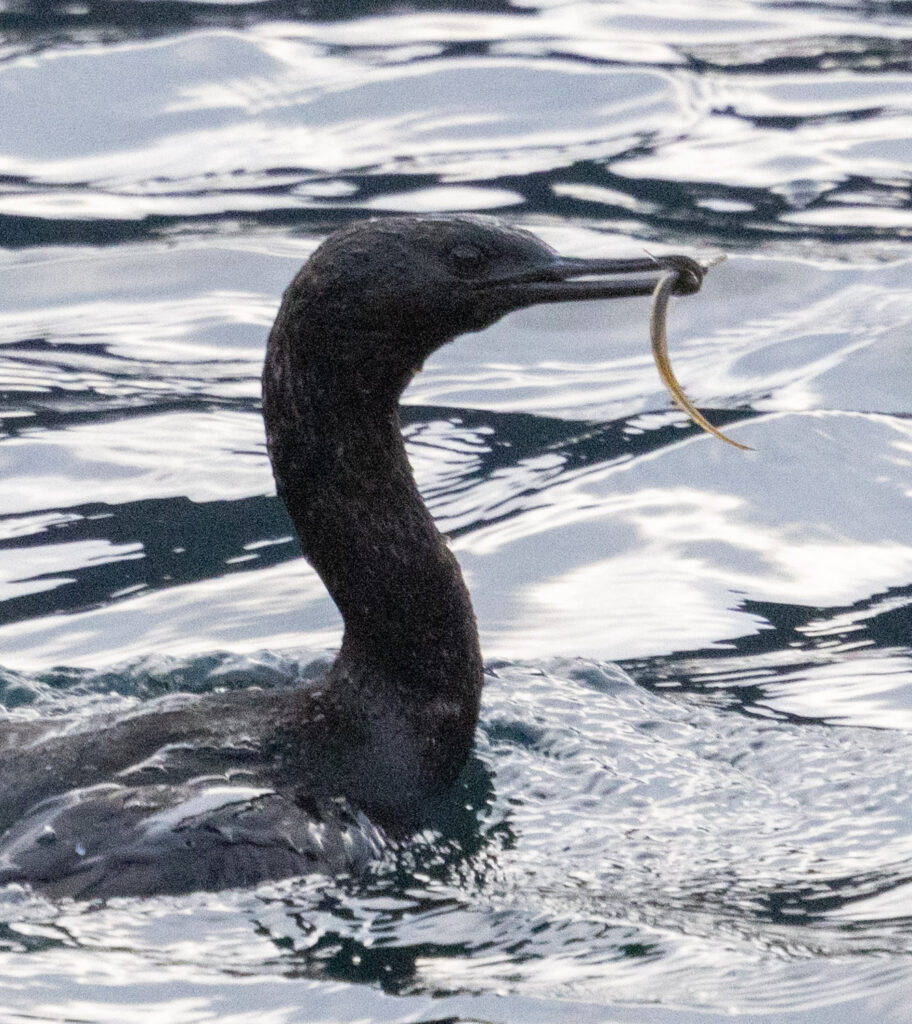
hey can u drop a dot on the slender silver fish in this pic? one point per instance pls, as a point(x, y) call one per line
point(657, 332)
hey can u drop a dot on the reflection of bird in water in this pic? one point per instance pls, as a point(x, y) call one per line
point(230, 789)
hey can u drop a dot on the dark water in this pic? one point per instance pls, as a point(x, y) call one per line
point(724, 824)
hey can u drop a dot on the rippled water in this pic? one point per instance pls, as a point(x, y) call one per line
point(722, 824)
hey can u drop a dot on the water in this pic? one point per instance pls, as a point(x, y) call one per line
point(722, 824)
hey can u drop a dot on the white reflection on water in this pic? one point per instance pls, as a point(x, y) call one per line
point(629, 559)
point(200, 455)
point(278, 608)
point(419, 116)
point(822, 155)
point(32, 571)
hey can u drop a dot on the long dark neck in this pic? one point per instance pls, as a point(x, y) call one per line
point(410, 640)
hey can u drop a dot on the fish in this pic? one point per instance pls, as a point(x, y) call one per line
point(658, 318)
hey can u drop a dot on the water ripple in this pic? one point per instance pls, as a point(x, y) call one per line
point(709, 112)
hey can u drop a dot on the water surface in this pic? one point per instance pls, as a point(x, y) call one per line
point(690, 790)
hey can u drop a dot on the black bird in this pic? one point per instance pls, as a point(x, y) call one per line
point(231, 789)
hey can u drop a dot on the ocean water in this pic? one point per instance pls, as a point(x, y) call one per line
point(690, 795)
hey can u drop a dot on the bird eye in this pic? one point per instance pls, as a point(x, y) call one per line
point(467, 259)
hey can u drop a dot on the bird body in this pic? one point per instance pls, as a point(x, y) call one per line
point(219, 790)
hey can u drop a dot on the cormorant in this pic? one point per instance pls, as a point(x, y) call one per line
point(230, 789)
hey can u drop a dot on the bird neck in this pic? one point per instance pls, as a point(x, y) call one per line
point(410, 642)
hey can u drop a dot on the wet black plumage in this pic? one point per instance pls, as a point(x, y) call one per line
point(230, 789)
